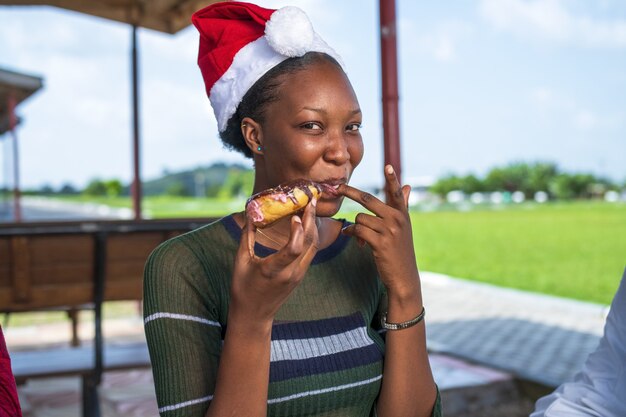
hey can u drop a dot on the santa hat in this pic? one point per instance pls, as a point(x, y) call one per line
point(240, 42)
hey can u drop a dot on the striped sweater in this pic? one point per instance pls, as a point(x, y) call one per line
point(326, 348)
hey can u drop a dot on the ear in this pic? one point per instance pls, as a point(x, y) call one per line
point(253, 135)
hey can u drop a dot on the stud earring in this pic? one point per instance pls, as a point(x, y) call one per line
point(259, 148)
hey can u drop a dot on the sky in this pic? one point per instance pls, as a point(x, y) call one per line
point(483, 83)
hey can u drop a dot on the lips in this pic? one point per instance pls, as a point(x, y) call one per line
point(331, 186)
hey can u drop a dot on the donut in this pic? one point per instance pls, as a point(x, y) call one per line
point(267, 206)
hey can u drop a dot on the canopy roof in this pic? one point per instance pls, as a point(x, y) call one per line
point(168, 16)
point(21, 86)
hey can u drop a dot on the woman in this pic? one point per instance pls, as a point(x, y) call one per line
point(286, 320)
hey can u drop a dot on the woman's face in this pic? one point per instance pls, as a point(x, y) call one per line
point(312, 131)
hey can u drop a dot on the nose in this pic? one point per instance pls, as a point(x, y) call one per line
point(337, 151)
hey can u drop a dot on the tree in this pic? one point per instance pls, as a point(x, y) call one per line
point(113, 187)
point(470, 184)
point(569, 186)
point(521, 176)
point(238, 182)
point(446, 184)
point(177, 189)
point(68, 189)
point(46, 189)
point(540, 175)
point(213, 190)
point(513, 177)
point(495, 180)
point(96, 187)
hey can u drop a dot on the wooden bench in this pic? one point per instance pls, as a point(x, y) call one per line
point(76, 361)
point(80, 362)
point(79, 265)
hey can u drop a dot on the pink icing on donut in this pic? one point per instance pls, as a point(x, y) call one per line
point(253, 210)
point(282, 197)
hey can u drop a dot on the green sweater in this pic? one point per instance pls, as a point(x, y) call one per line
point(326, 349)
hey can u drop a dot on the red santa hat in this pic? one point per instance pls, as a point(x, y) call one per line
point(240, 42)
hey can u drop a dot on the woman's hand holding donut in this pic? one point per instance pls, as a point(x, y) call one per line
point(261, 285)
point(388, 232)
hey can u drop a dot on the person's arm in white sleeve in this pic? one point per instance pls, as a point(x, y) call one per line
point(599, 390)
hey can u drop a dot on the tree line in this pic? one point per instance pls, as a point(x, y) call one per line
point(219, 180)
point(529, 178)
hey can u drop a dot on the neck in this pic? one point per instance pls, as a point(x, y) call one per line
point(279, 230)
point(260, 177)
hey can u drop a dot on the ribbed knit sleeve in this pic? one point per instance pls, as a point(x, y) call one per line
point(183, 330)
point(380, 310)
point(437, 411)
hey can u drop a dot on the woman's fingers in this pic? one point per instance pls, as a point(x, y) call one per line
point(367, 200)
point(299, 250)
point(246, 244)
point(294, 247)
point(308, 221)
point(311, 235)
point(406, 191)
point(361, 232)
point(375, 223)
point(395, 192)
point(397, 195)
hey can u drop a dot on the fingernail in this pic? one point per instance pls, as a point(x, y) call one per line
point(297, 219)
point(389, 169)
point(314, 202)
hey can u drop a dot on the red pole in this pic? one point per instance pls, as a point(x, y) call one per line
point(17, 209)
point(389, 65)
point(136, 185)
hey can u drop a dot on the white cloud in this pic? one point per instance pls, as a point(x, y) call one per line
point(181, 47)
point(558, 106)
point(541, 96)
point(440, 43)
point(168, 105)
point(444, 49)
point(585, 120)
point(552, 20)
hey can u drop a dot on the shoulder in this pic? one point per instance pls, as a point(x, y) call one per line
point(193, 243)
point(189, 252)
point(189, 272)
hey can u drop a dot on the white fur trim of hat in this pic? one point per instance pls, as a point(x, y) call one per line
point(289, 33)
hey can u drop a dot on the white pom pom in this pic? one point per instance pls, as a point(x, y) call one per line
point(290, 32)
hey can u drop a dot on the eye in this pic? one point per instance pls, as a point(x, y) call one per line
point(353, 127)
point(311, 126)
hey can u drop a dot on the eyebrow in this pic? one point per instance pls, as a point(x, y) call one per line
point(353, 112)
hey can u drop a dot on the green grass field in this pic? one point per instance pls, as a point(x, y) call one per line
point(166, 206)
point(575, 250)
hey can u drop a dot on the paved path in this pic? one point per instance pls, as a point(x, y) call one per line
point(536, 337)
point(44, 209)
